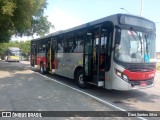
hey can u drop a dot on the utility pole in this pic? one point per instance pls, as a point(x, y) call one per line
point(141, 8)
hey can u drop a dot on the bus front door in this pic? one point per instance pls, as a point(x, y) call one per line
point(95, 55)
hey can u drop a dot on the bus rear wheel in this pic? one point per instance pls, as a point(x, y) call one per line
point(42, 68)
point(80, 79)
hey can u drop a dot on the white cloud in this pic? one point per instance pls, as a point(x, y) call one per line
point(24, 38)
point(62, 20)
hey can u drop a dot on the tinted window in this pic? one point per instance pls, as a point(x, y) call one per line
point(60, 47)
point(79, 42)
point(68, 43)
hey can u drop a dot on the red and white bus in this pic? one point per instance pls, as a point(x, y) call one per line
point(115, 52)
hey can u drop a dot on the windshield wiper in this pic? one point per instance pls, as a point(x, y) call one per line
point(131, 29)
point(140, 39)
point(146, 38)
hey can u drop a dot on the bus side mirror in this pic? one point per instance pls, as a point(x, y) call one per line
point(118, 36)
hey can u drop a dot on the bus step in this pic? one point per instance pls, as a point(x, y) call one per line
point(100, 83)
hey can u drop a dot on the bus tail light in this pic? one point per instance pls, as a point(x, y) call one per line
point(121, 75)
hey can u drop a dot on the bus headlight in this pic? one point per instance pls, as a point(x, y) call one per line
point(125, 77)
point(121, 75)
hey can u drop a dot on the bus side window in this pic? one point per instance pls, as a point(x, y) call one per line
point(39, 47)
point(79, 42)
point(65, 45)
point(79, 46)
point(71, 45)
point(60, 47)
point(54, 45)
point(68, 43)
point(44, 48)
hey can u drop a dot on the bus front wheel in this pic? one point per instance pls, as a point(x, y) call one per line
point(80, 79)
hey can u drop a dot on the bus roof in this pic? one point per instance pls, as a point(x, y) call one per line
point(112, 18)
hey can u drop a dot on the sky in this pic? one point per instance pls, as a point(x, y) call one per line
point(64, 14)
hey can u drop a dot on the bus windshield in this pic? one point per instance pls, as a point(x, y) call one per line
point(135, 47)
point(15, 53)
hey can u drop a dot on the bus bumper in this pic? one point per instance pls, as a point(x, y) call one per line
point(120, 84)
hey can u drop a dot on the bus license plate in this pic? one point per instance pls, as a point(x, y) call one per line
point(143, 83)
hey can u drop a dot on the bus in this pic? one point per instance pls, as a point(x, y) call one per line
point(12, 54)
point(114, 52)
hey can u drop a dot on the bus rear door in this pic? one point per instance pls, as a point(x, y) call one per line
point(33, 54)
point(52, 53)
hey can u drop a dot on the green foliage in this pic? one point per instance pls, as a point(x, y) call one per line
point(22, 18)
point(23, 45)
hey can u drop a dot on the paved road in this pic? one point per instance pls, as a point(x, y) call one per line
point(135, 100)
point(22, 90)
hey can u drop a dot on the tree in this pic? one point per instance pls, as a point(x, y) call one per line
point(23, 18)
point(25, 46)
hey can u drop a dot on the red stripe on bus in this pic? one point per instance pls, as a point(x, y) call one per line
point(55, 63)
point(139, 75)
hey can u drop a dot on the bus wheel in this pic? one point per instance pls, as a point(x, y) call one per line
point(41, 68)
point(80, 79)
